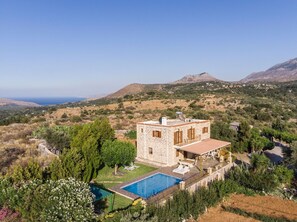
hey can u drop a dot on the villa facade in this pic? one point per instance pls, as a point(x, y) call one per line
point(171, 141)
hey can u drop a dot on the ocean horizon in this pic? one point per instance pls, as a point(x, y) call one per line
point(47, 101)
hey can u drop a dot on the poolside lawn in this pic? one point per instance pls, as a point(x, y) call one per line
point(108, 179)
point(121, 202)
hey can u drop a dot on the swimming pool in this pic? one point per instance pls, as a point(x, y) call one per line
point(152, 185)
point(99, 192)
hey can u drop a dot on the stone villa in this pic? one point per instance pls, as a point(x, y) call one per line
point(171, 141)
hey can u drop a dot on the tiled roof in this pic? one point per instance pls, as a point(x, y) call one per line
point(204, 146)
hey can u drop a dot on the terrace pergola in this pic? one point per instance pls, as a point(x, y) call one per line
point(202, 150)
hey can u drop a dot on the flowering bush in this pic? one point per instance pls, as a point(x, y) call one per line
point(61, 200)
point(8, 215)
point(68, 200)
point(3, 213)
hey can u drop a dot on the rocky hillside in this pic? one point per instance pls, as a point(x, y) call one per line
point(15, 103)
point(135, 88)
point(283, 72)
point(202, 77)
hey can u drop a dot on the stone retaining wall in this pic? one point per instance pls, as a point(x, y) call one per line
point(191, 184)
point(216, 175)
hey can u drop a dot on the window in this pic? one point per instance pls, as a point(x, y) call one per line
point(178, 137)
point(205, 130)
point(191, 133)
point(157, 133)
point(177, 153)
point(150, 150)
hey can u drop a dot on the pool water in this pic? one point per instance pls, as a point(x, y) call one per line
point(99, 192)
point(152, 185)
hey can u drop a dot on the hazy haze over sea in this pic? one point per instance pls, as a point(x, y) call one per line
point(46, 101)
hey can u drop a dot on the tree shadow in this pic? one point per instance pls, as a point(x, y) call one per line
point(274, 158)
point(101, 205)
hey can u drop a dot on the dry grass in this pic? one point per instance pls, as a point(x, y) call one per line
point(217, 214)
point(15, 146)
point(264, 205)
point(143, 110)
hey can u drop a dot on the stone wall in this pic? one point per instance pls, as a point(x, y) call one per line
point(191, 184)
point(160, 147)
point(216, 175)
point(164, 153)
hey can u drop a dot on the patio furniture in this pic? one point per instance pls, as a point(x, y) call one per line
point(131, 167)
point(178, 169)
point(181, 169)
point(187, 162)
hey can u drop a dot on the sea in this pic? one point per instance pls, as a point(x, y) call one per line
point(47, 101)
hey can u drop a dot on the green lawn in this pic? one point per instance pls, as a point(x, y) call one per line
point(107, 179)
point(121, 202)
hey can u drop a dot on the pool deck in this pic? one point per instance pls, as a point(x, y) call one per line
point(166, 170)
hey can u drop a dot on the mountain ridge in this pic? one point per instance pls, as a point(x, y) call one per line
point(10, 102)
point(202, 77)
point(135, 88)
point(282, 72)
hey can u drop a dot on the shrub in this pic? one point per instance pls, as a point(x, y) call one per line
point(255, 180)
point(58, 137)
point(283, 174)
point(64, 116)
point(8, 156)
point(61, 200)
point(27, 171)
point(132, 134)
point(182, 204)
point(201, 115)
point(75, 119)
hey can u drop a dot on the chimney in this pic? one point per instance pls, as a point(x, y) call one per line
point(164, 121)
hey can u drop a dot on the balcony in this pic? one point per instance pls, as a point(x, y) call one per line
point(187, 142)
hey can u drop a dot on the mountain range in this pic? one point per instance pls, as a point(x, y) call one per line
point(283, 72)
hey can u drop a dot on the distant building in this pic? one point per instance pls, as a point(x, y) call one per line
point(170, 141)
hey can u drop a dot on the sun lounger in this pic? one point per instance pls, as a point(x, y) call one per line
point(181, 169)
point(178, 169)
point(131, 167)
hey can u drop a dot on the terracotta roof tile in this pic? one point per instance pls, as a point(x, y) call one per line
point(204, 146)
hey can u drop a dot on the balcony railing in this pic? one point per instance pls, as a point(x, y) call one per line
point(187, 141)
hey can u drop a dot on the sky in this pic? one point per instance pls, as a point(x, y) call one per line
point(51, 48)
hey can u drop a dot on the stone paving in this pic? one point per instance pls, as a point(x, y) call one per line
point(194, 173)
point(165, 170)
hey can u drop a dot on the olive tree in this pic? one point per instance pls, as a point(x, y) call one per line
point(115, 153)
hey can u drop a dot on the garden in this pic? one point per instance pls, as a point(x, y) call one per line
point(107, 179)
point(88, 153)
